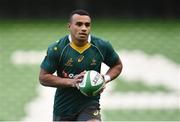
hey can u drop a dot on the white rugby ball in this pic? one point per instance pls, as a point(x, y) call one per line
point(92, 83)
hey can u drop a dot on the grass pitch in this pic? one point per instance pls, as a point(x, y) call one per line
point(18, 83)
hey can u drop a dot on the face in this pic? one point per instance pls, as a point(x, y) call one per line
point(79, 27)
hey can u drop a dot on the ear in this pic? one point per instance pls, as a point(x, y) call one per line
point(69, 25)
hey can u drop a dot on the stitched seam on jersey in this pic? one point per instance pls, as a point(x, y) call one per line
point(63, 52)
point(99, 51)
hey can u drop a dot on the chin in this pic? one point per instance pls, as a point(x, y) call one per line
point(83, 38)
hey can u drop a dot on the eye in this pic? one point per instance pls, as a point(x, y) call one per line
point(79, 24)
point(87, 24)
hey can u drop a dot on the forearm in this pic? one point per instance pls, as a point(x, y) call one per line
point(115, 71)
point(48, 79)
point(54, 81)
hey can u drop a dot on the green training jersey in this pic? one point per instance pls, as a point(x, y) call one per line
point(68, 60)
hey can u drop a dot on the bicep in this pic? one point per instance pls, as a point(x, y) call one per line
point(50, 61)
point(43, 72)
point(111, 58)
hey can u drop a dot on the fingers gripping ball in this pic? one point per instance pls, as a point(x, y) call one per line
point(92, 83)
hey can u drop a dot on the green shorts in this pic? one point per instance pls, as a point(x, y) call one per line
point(88, 113)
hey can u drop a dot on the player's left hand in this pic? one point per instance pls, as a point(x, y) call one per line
point(107, 79)
point(102, 88)
point(104, 85)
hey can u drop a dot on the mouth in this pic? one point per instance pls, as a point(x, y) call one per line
point(83, 34)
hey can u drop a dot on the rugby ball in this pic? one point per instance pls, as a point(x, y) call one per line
point(92, 83)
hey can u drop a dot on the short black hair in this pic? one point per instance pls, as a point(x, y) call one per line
point(78, 11)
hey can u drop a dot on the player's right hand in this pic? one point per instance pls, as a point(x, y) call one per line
point(78, 79)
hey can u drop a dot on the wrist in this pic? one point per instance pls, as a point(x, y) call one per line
point(107, 78)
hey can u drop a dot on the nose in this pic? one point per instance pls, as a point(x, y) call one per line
point(84, 28)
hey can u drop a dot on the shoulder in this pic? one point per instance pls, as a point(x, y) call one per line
point(97, 41)
point(60, 44)
point(100, 43)
point(57, 46)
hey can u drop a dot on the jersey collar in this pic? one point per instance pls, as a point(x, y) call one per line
point(89, 38)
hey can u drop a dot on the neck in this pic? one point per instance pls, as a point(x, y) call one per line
point(79, 43)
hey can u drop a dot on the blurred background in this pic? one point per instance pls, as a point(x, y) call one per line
point(145, 34)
